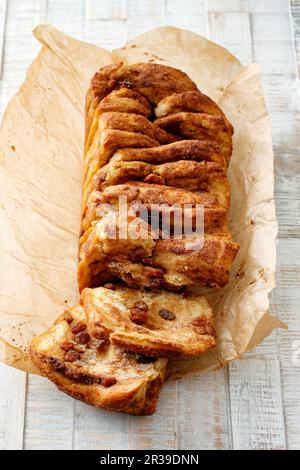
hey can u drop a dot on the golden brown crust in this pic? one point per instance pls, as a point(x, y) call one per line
point(160, 324)
point(153, 81)
point(199, 126)
point(110, 350)
point(105, 143)
point(122, 101)
point(194, 150)
point(190, 101)
point(192, 176)
point(146, 262)
point(96, 371)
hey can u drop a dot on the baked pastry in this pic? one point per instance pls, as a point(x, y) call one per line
point(140, 261)
point(153, 138)
point(94, 370)
point(160, 324)
point(158, 145)
point(110, 350)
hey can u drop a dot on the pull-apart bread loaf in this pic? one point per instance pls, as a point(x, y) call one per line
point(153, 138)
point(110, 349)
point(155, 143)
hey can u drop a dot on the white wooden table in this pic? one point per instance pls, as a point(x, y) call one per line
point(255, 402)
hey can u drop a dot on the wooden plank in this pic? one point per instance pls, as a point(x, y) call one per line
point(203, 412)
point(96, 429)
point(276, 55)
point(187, 15)
point(108, 34)
point(229, 25)
point(295, 11)
point(265, 6)
point(279, 72)
point(287, 301)
point(43, 7)
point(142, 16)
point(256, 407)
point(158, 431)
point(3, 11)
point(20, 46)
point(226, 7)
point(106, 10)
point(49, 416)
point(100, 429)
point(66, 15)
point(105, 23)
point(12, 408)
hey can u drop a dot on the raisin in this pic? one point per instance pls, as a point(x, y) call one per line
point(185, 294)
point(137, 255)
point(72, 356)
point(154, 273)
point(80, 326)
point(138, 316)
point(82, 337)
point(108, 381)
point(149, 262)
point(166, 314)
point(67, 345)
point(101, 346)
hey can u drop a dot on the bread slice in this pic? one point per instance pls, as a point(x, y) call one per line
point(185, 174)
point(160, 324)
point(95, 371)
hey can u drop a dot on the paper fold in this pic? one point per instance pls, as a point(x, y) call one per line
point(41, 140)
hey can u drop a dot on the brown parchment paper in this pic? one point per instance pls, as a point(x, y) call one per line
point(41, 141)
